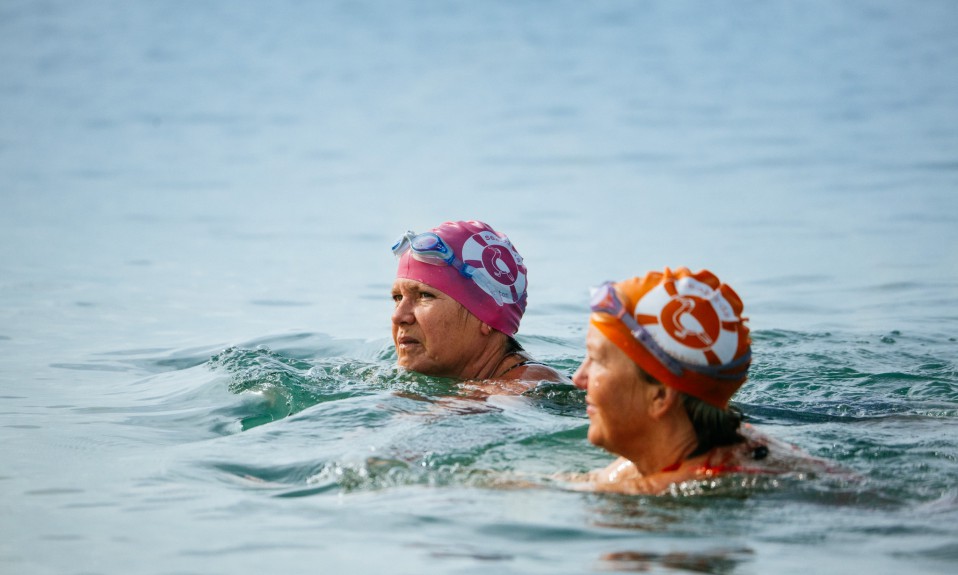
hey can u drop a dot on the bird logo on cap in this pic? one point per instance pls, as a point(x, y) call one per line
point(494, 256)
point(691, 320)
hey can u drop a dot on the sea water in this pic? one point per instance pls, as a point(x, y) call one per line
point(198, 199)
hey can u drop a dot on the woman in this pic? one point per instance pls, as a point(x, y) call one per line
point(664, 354)
point(459, 294)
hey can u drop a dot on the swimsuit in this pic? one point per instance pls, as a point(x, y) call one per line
point(520, 364)
point(758, 453)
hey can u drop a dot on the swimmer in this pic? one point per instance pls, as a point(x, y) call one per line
point(459, 294)
point(664, 355)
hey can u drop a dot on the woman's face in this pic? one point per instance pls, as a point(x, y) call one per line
point(433, 333)
point(615, 393)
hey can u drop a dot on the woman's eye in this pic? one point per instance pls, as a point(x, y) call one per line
point(593, 358)
point(426, 295)
point(397, 297)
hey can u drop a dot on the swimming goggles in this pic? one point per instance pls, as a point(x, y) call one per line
point(605, 300)
point(429, 248)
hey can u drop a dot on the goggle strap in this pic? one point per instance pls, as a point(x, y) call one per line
point(652, 347)
point(487, 285)
point(610, 304)
point(445, 256)
point(404, 242)
point(725, 371)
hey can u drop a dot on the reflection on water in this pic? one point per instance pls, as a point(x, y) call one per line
point(717, 562)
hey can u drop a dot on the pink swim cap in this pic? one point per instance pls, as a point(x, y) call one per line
point(493, 256)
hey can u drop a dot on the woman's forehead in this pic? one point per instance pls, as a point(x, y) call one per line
point(599, 345)
point(595, 339)
point(406, 284)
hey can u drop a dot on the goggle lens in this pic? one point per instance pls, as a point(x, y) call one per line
point(429, 248)
point(605, 300)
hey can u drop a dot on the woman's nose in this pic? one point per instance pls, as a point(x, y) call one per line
point(402, 313)
point(579, 378)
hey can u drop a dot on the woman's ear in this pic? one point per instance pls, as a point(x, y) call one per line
point(662, 399)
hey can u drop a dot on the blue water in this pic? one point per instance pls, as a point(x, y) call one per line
point(197, 204)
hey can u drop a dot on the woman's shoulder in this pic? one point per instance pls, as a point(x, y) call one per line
point(519, 378)
point(528, 369)
point(761, 453)
point(622, 476)
point(535, 371)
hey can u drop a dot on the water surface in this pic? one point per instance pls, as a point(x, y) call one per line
point(198, 199)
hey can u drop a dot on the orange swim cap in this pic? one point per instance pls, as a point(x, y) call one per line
point(688, 332)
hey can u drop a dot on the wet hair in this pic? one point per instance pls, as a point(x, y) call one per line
point(714, 427)
point(513, 345)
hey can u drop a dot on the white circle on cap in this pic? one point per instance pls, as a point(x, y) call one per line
point(691, 321)
point(494, 257)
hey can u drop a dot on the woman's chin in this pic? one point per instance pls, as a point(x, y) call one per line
point(406, 364)
point(595, 438)
point(411, 364)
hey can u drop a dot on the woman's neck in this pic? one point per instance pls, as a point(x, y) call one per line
point(668, 445)
point(490, 362)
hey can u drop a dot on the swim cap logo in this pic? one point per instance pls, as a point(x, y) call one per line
point(691, 321)
point(500, 265)
point(494, 255)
